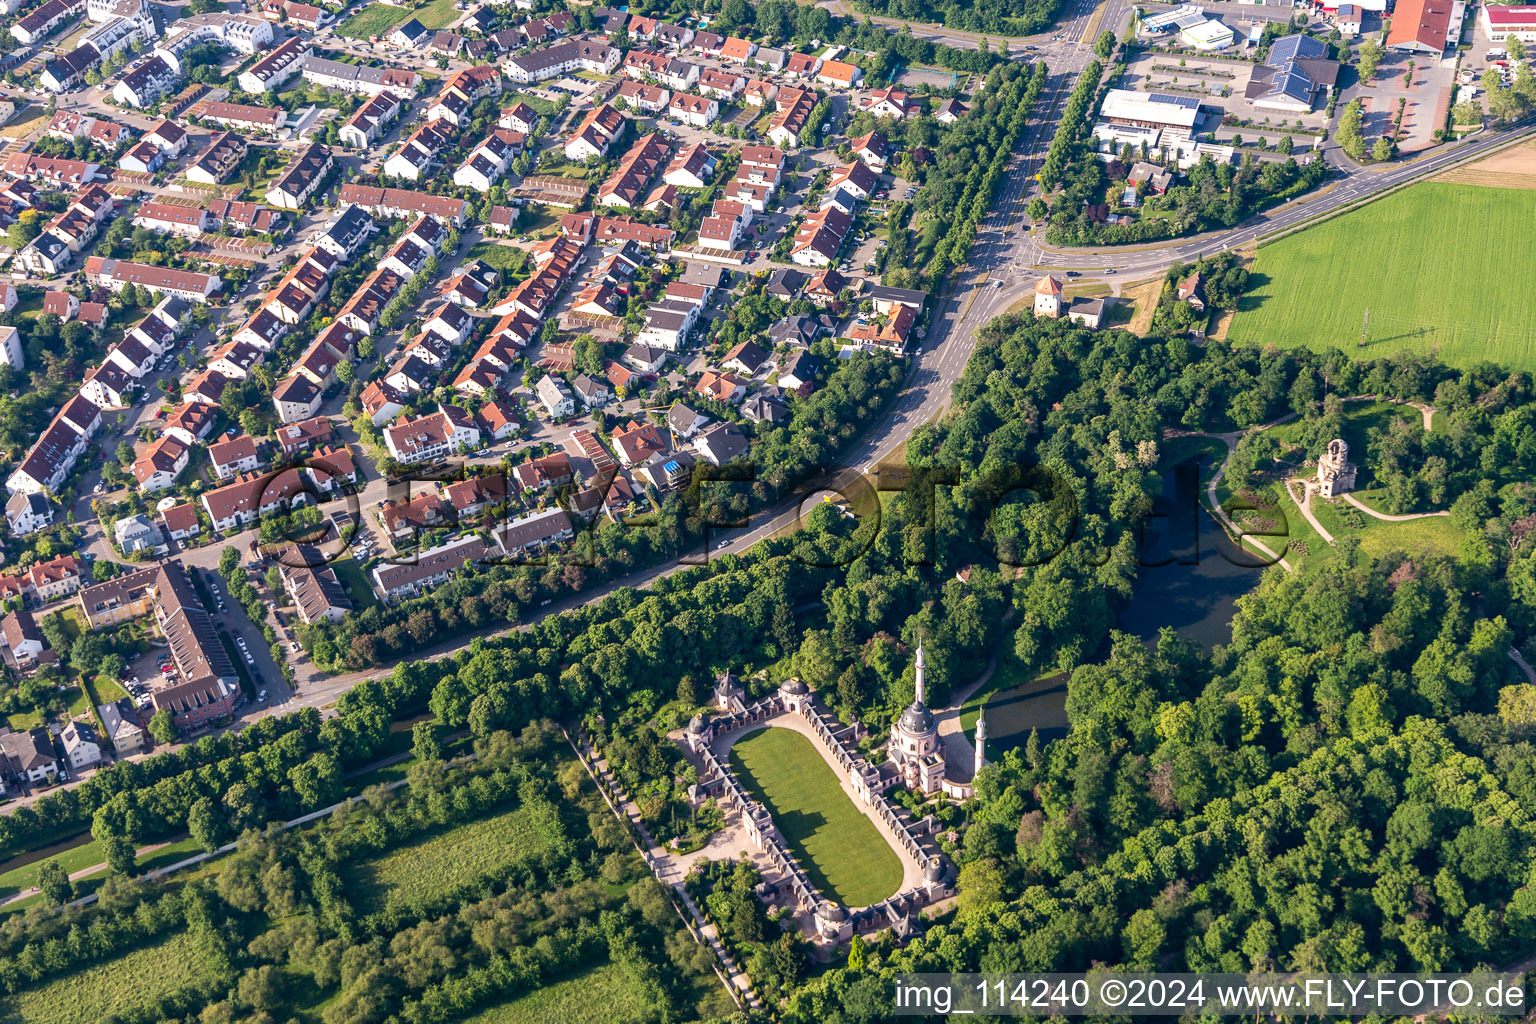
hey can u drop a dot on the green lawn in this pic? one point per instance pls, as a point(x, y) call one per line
point(109, 987)
point(504, 258)
point(437, 865)
point(73, 859)
point(373, 20)
point(437, 14)
point(840, 849)
point(1439, 266)
point(602, 995)
point(350, 574)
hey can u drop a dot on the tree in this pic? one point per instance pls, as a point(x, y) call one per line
point(1382, 150)
point(229, 561)
point(162, 726)
point(205, 824)
point(425, 743)
point(1515, 49)
point(1104, 45)
point(1370, 59)
point(53, 881)
point(120, 853)
point(1286, 145)
point(1038, 211)
point(1348, 134)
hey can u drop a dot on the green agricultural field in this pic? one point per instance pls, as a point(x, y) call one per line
point(1442, 267)
point(840, 849)
point(109, 987)
point(448, 859)
point(603, 995)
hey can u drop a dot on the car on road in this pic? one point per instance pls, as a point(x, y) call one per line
point(1111, 270)
point(1073, 273)
point(261, 697)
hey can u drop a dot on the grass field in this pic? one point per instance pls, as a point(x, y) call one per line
point(449, 859)
point(108, 987)
point(73, 859)
point(436, 14)
point(840, 849)
point(602, 995)
point(373, 20)
point(1438, 265)
point(503, 257)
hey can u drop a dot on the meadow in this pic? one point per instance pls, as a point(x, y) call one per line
point(602, 995)
point(1438, 265)
point(438, 865)
point(108, 987)
point(378, 19)
point(841, 850)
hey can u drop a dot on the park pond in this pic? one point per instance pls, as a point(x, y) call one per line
point(1191, 574)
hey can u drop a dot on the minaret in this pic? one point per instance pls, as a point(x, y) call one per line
point(981, 741)
point(919, 676)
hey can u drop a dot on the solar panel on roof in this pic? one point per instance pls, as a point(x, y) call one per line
point(1188, 102)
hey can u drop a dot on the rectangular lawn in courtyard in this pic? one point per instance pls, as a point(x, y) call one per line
point(1442, 267)
point(842, 851)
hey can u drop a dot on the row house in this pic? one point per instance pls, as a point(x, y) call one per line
point(356, 78)
point(595, 133)
point(171, 218)
point(146, 83)
point(793, 109)
point(644, 97)
point(253, 497)
point(428, 569)
point(418, 154)
point(632, 177)
point(55, 171)
point(698, 111)
point(400, 202)
point(488, 161)
point(274, 70)
point(434, 436)
point(570, 55)
point(265, 120)
point(367, 124)
point(302, 178)
point(721, 85)
point(161, 463)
